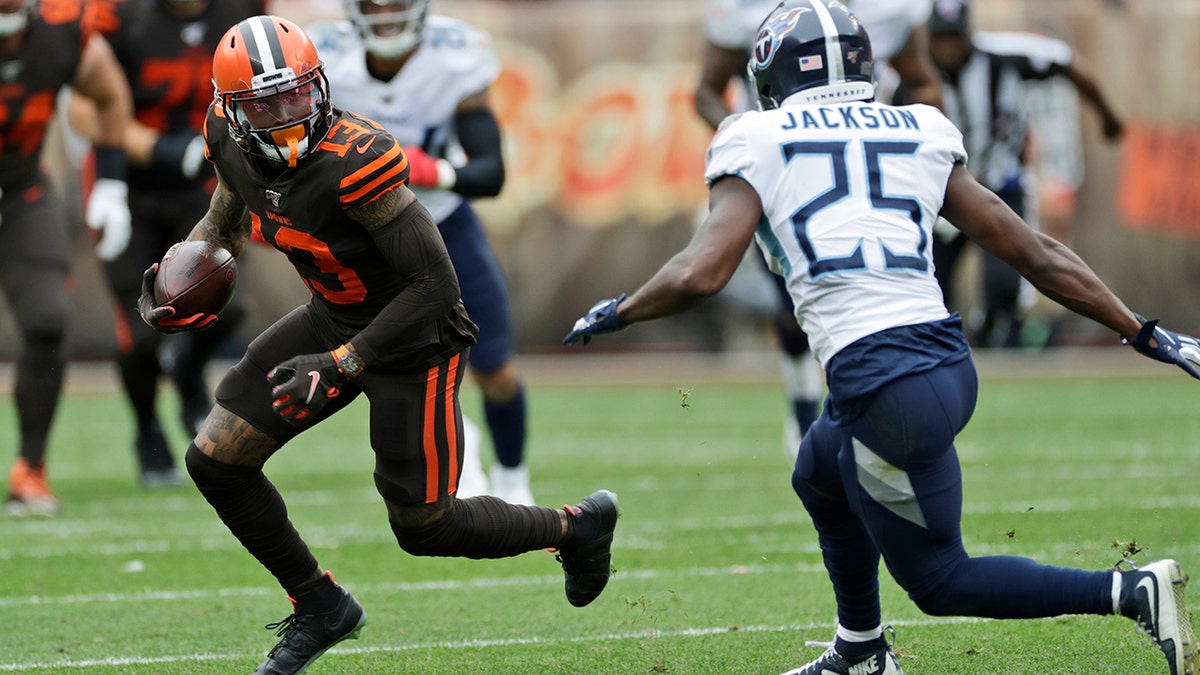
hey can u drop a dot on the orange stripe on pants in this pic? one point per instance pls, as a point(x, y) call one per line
point(452, 425)
point(429, 436)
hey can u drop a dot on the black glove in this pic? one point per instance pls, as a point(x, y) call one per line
point(182, 151)
point(601, 318)
point(1174, 348)
point(304, 384)
point(162, 317)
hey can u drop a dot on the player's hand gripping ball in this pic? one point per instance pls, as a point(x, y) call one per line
point(192, 284)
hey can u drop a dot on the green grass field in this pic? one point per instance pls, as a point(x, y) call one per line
point(717, 566)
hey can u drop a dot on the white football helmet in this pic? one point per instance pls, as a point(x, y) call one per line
point(389, 28)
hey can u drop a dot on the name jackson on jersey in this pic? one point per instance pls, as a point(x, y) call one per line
point(851, 117)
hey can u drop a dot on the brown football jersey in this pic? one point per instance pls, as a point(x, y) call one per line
point(167, 60)
point(302, 212)
point(30, 77)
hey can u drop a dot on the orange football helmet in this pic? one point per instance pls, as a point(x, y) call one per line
point(272, 86)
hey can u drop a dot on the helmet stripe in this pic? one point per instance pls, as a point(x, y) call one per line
point(262, 44)
point(833, 46)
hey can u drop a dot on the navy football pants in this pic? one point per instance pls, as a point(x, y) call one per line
point(484, 292)
point(889, 483)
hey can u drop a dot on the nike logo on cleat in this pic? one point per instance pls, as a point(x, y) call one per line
point(1152, 601)
point(866, 667)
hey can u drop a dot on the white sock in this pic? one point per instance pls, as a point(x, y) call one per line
point(1116, 593)
point(802, 377)
point(847, 635)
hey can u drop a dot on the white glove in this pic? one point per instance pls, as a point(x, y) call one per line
point(945, 231)
point(108, 214)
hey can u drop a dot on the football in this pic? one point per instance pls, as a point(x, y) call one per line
point(196, 277)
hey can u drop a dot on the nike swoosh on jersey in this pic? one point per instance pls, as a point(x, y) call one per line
point(312, 387)
point(362, 147)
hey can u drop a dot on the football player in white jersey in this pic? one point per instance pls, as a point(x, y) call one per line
point(425, 78)
point(899, 37)
point(841, 192)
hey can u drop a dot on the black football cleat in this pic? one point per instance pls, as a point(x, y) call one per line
point(307, 636)
point(587, 560)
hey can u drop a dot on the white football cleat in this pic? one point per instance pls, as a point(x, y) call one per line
point(1154, 596)
point(512, 484)
point(472, 482)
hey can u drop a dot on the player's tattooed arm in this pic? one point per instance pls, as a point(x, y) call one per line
point(383, 210)
point(227, 222)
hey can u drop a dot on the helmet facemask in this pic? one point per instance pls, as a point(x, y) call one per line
point(272, 88)
point(389, 28)
point(281, 116)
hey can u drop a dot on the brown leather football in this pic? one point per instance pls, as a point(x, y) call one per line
point(196, 277)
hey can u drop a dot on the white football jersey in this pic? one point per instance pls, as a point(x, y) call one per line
point(850, 193)
point(453, 62)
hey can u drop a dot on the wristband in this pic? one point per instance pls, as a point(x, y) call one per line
point(349, 363)
point(110, 162)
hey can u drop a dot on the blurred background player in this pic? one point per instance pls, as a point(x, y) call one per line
point(425, 78)
point(44, 46)
point(165, 50)
point(898, 29)
point(985, 82)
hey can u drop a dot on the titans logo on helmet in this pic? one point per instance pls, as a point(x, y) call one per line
point(772, 32)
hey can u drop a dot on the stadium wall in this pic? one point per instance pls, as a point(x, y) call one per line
point(605, 160)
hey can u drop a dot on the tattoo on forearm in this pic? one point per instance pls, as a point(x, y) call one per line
point(227, 221)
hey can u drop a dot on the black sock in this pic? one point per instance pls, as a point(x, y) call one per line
point(319, 596)
point(254, 512)
point(485, 527)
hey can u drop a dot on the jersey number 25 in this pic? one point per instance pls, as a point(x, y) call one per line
point(836, 151)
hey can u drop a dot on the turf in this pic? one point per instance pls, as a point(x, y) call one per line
point(717, 566)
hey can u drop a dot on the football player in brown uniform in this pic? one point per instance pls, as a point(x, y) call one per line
point(328, 189)
point(165, 48)
point(44, 46)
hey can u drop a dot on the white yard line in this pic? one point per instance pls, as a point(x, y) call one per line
point(700, 631)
